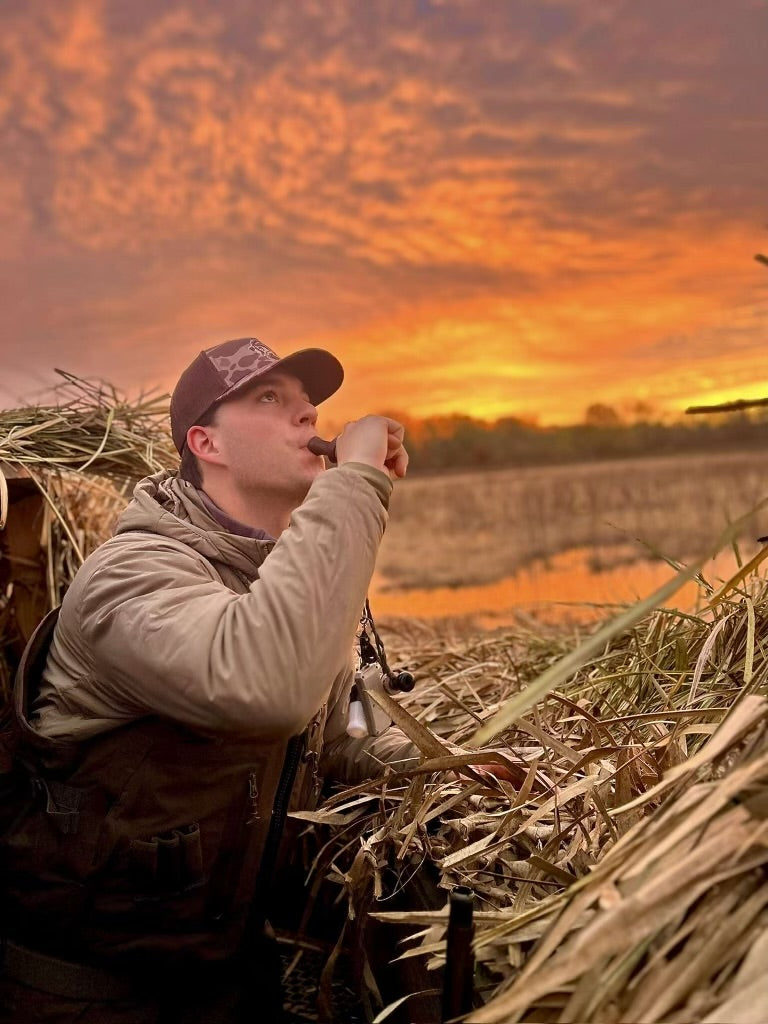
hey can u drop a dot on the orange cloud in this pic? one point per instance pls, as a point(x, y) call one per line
point(484, 208)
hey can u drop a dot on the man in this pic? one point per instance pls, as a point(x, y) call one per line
point(197, 682)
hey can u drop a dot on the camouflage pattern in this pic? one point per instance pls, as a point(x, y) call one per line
point(236, 360)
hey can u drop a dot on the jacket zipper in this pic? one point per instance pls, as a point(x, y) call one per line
point(222, 903)
point(227, 876)
point(250, 940)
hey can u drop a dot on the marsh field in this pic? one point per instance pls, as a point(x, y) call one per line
point(491, 543)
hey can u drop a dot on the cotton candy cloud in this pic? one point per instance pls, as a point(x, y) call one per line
point(556, 201)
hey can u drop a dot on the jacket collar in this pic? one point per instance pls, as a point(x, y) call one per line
point(168, 506)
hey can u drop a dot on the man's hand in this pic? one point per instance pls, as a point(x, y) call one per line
point(490, 769)
point(495, 771)
point(375, 441)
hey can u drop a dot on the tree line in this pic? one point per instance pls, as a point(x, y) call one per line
point(455, 442)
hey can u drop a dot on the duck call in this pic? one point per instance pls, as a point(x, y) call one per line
point(320, 447)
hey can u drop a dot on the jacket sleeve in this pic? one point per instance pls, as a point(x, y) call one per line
point(163, 637)
point(353, 760)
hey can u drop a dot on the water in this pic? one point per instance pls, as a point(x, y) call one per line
point(581, 584)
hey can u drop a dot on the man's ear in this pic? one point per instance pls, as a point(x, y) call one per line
point(202, 444)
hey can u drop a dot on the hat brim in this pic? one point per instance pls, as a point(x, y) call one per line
point(320, 372)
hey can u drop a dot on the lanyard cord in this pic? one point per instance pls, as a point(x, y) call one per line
point(400, 680)
point(368, 624)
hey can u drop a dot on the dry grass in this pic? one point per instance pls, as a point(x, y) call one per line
point(83, 455)
point(469, 528)
point(92, 426)
point(637, 816)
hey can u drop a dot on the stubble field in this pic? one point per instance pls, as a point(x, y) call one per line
point(473, 528)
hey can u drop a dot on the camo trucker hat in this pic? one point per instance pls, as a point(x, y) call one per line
point(222, 371)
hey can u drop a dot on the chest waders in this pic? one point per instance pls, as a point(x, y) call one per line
point(31, 774)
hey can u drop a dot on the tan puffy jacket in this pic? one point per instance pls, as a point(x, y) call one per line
point(176, 617)
point(184, 658)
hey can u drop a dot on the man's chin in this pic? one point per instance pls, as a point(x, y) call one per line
point(303, 486)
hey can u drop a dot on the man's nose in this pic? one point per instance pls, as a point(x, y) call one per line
point(308, 414)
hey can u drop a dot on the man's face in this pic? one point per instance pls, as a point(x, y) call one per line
point(261, 437)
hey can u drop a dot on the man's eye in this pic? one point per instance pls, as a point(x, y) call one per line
point(268, 395)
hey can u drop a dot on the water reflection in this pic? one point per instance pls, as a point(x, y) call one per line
point(580, 584)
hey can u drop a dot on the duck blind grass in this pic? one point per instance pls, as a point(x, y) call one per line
point(620, 873)
point(66, 470)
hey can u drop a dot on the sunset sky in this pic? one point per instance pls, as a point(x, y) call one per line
point(499, 207)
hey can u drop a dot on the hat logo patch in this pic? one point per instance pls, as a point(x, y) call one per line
point(251, 356)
